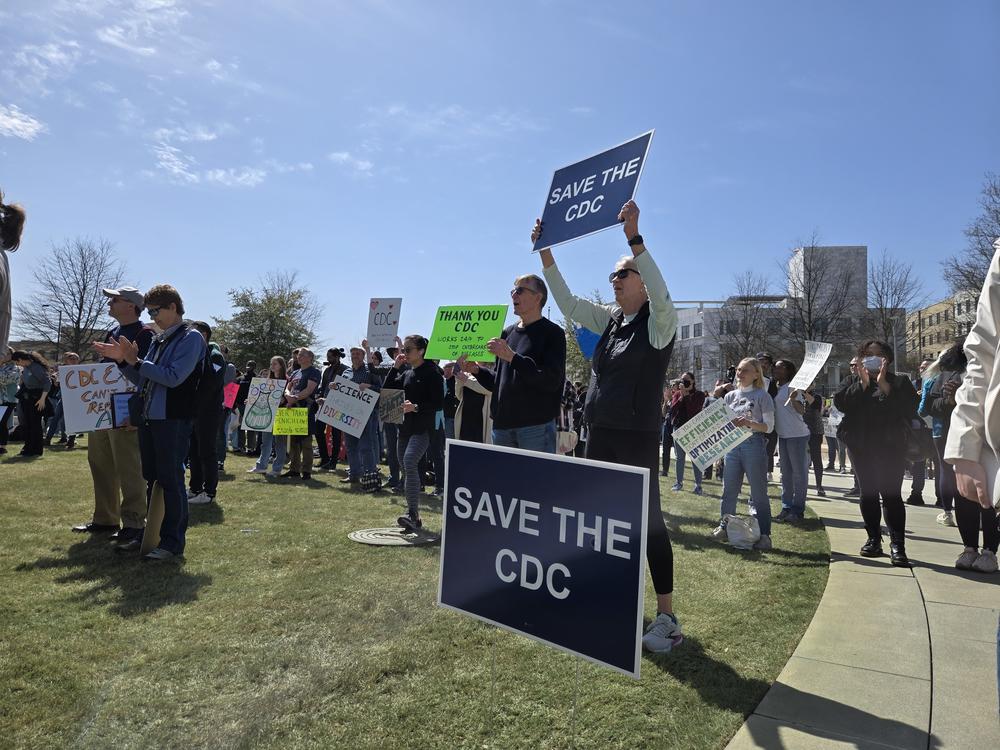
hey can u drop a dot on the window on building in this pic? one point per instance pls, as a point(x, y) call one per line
point(937, 319)
point(947, 314)
point(685, 332)
point(697, 330)
point(923, 342)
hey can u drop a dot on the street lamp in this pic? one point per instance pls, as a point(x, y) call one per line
point(58, 332)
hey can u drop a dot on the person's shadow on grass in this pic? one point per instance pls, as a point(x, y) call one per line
point(120, 581)
point(718, 684)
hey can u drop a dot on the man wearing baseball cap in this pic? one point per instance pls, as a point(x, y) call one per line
point(113, 455)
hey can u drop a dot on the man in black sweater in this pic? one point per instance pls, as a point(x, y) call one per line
point(527, 382)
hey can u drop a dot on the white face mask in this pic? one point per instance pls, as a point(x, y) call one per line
point(873, 364)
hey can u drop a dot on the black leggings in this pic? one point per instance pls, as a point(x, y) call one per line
point(635, 448)
point(772, 446)
point(880, 477)
point(816, 454)
point(971, 516)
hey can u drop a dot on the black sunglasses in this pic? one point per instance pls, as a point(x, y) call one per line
point(622, 273)
point(521, 290)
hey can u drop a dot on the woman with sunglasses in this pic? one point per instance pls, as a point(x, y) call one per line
point(626, 388)
point(687, 403)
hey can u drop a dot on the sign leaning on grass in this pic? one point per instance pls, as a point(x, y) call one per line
point(816, 355)
point(466, 330)
point(86, 395)
point(711, 434)
point(548, 546)
point(587, 196)
point(347, 407)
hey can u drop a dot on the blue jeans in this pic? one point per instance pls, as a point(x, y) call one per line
point(749, 458)
point(280, 446)
point(56, 422)
point(163, 445)
point(449, 428)
point(794, 455)
point(361, 452)
point(681, 455)
point(538, 437)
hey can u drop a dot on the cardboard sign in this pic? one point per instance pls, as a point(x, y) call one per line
point(390, 405)
point(711, 434)
point(263, 399)
point(347, 407)
point(586, 197)
point(466, 330)
point(292, 421)
point(86, 395)
point(548, 546)
point(229, 392)
point(816, 355)
point(383, 321)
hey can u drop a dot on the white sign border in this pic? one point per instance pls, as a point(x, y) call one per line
point(643, 471)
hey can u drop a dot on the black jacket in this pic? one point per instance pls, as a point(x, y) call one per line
point(872, 420)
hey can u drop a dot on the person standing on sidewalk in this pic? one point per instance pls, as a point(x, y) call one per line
point(687, 402)
point(813, 417)
point(113, 455)
point(878, 406)
point(793, 443)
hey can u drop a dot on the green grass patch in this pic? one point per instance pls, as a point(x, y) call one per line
point(278, 631)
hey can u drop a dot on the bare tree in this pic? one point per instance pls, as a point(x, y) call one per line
point(821, 296)
point(966, 271)
point(744, 326)
point(893, 288)
point(67, 307)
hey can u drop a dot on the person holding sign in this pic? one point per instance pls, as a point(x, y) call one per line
point(755, 409)
point(626, 387)
point(362, 452)
point(269, 440)
point(793, 443)
point(878, 406)
point(423, 384)
point(300, 394)
point(530, 373)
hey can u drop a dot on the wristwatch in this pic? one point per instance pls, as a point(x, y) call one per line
point(637, 240)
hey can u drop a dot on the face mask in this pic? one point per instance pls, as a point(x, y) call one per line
point(873, 364)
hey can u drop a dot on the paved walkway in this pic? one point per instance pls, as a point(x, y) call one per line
point(893, 658)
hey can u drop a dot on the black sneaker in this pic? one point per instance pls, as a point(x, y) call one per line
point(288, 474)
point(128, 540)
point(872, 548)
point(410, 523)
point(915, 500)
point(897, 556)
point(350, 480)
point(94, 528)
point(853, 492)
point(783, 516)
point(307, 477)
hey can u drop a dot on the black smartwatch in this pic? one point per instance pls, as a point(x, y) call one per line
point(637, 240)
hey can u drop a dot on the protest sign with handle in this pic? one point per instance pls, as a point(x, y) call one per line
point(587, 196)
point(710, 434)
point(347, 407)
point(86, 395)
point(466, 330)
point(383, 321)
point(817, 353)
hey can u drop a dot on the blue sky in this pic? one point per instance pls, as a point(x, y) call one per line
point(404, 148)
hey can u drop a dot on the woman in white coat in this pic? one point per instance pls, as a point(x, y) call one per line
point(472, 418)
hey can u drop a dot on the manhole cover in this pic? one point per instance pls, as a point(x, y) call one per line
point(393, 536)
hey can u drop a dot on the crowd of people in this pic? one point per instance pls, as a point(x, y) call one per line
point(180, 428)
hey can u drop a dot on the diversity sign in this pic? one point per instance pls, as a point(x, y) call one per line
point(390, 405)
point(466, 330)
point(711, 434)
point(816, 355)
point(347, 406)
point(263, 400)
point(383, 321)
point(293, 421)
point(586, 197)
point(548, 546)
point(86, 395)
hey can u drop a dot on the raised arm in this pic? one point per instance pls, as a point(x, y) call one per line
point(662, 314)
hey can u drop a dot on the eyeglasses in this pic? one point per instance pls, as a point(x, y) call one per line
point(686, 383)
point(521, 290)
point(622, 273)
point(153, 311)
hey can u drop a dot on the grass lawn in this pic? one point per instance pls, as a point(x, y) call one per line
point(278, 631)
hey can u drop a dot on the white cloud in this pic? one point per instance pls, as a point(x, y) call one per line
point(280, 167)
point(176, 163)
point(17, 124)
point(196, 133)
point(35, 64)
point(359, 166)
point(453, 125)
point(140, 25)
point(241, 177)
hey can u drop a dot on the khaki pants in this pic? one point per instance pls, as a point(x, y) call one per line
point(301, 453)
point(119, 489)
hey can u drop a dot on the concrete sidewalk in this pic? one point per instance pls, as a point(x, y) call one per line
point(893, 658)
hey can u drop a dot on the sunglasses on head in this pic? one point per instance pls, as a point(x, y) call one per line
point(622, 273)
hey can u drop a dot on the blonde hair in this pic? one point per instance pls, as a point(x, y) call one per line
point(758, 381)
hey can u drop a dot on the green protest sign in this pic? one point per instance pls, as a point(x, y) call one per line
point(291, 421)
point(465, 330)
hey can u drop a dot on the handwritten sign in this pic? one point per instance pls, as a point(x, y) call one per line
point(263, 399)
point(294, 421)
point(229, 394)
point(347, 406)
point(86, 395)
point(711, 434)
point(383, 321)
point(390, 405)
point(816, 355)
point(466, 330)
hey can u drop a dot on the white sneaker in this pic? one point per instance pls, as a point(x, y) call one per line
point(945, 518)
point(965, 560)
point(256, 470)
point(719, 534)
point(764, 543)
point(200, 499)
point(662, 634)
point(192, 493)
point(986, 562)
point(770, 477)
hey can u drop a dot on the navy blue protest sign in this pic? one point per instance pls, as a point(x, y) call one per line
point(587, 340)
point(586, 197)
point(548, 546)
